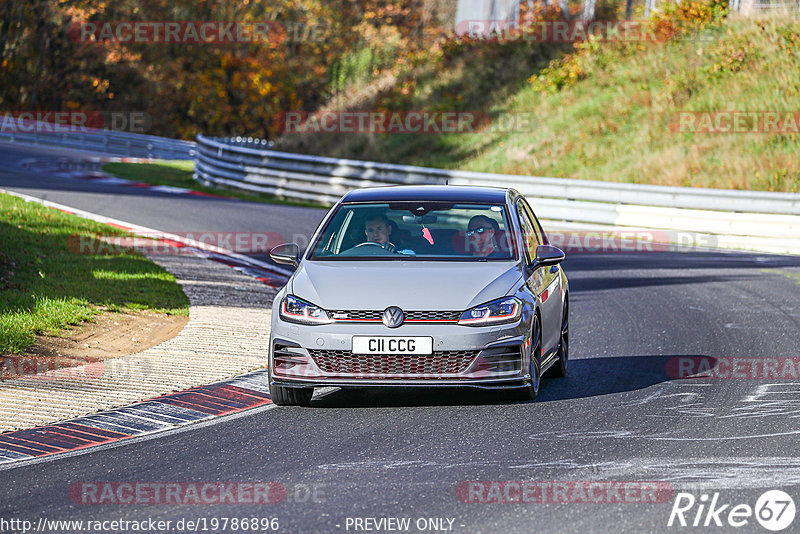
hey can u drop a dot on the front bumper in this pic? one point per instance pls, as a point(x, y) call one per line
point(490, 357)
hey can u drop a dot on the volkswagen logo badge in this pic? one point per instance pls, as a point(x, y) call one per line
point(393, 317)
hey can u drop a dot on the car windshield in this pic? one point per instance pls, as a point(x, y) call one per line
point(417, 231)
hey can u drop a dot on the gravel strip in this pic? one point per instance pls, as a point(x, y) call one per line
point(227, 335)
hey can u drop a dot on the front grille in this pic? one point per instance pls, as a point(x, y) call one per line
point(415, 316)
point(405, 366)
point(433, 316)
point(358, 315)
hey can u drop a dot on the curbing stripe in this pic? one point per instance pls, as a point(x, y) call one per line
point(167, 189)
point(156, 417)
point(238, 392)
point(56, 168)
point(10, 455)
point(82, 437)
point(120, 420)
point(198, 402)
point(104, 425)
point(21, 444)
point(110, 181)
point(156, 410)
point(26, 452)
point(50, 437)
point(161, 413)
point(134, 422)
point(37, 438)
point(219, 398)
point(106, 435)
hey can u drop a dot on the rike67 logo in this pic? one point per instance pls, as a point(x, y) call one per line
point(774, 510)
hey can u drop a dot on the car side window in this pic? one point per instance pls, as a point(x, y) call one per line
point(536, 228)
point(529, 239)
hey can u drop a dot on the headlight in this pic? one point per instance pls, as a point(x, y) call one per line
point(295, 310)
point(504, 310)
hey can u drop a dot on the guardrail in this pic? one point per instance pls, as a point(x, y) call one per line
point(110, 142)
point(753, 220)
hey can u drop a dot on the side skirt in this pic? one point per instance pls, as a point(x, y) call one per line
point(549, 360)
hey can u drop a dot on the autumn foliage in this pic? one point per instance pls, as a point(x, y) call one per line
point(189, 87)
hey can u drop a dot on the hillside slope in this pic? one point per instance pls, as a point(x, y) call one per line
point(605, 110)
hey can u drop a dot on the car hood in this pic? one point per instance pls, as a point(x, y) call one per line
point(413, 285)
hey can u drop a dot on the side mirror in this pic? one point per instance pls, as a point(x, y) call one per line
point(548, 255)
point(288, 253)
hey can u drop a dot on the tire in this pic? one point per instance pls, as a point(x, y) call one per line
point(559, 369)
point(283, 396)
point(531, 391)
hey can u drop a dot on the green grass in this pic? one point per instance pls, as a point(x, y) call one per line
point(614, 123)
point(178, 173)
point(46, 286)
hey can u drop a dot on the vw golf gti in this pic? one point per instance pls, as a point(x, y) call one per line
point(437, 286)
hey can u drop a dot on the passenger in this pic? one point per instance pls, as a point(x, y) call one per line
point(481, 242)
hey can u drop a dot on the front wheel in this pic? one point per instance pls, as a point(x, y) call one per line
point(531, 390)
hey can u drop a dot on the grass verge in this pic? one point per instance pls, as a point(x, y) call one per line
point(45, 287)
point(178, 173)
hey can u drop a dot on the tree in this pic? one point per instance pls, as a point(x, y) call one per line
point(588, 9)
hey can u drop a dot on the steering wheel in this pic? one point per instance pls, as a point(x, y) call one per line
point(370, 248)
point(388, 246)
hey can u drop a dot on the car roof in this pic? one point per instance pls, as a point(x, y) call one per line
point(442, 193)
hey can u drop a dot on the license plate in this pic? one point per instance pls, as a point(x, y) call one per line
point(392, 345)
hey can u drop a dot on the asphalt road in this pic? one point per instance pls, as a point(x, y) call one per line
point(618, 416)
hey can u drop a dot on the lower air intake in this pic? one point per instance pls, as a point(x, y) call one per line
point(344, 362)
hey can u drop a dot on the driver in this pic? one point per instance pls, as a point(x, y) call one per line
point(378, 230)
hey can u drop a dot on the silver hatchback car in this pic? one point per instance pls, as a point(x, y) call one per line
point(437, 286)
